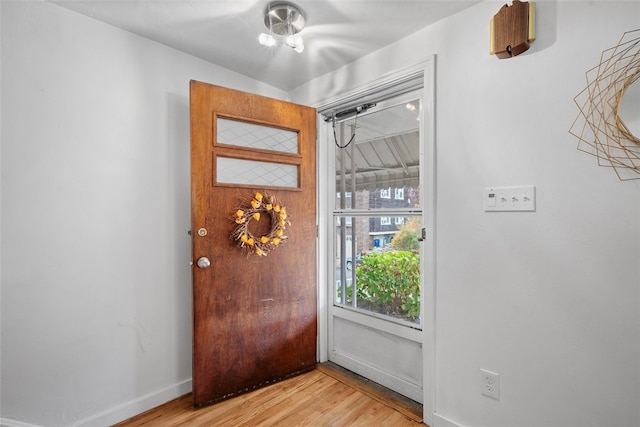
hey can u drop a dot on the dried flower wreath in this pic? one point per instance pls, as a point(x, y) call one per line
point(255, 209)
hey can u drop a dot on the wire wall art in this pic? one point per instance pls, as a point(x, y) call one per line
point(599, 128)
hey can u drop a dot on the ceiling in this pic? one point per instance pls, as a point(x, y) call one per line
point(225, 32)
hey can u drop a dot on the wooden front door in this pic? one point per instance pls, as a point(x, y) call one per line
point(254, 314)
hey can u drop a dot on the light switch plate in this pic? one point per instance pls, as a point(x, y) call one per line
point(510, 199)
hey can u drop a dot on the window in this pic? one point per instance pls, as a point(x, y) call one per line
point(399, 220)
point(399, 194)
point(385, 220)
point(385, 193)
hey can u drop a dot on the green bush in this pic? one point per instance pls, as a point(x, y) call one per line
point(408, 236)
point(389, 283)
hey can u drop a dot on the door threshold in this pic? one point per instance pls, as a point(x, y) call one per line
point(400, 403)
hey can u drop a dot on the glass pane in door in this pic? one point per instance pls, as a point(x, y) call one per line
point(252, 172)
point(252, 135)
point(380, 167)
point(383, 276)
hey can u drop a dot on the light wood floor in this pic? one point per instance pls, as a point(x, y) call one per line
point(326, 396)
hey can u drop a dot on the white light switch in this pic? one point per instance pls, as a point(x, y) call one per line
point(501, 199)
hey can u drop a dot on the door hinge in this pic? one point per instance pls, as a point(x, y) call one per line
point(423, 235)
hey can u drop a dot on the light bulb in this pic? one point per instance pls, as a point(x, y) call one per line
point(266, 40)
point(295, 42)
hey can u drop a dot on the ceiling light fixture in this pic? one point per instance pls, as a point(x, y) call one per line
point(284, 20)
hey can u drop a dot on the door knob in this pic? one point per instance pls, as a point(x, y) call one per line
point(203, 262)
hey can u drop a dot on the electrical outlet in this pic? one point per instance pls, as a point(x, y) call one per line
point(490, 384)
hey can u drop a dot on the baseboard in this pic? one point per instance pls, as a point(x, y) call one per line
point(440, 421)
point(137, 406)
point(7, 422)
point(121, 412)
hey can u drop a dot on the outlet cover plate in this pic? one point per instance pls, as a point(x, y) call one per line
point(490, 384)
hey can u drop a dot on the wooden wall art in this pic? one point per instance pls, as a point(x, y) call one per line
point(512, 29)
point(599, 128)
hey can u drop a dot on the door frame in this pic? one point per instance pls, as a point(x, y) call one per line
point(419, 75)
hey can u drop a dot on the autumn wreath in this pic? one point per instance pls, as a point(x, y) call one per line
point(254, 209)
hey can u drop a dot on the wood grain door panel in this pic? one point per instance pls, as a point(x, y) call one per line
point(254, 317)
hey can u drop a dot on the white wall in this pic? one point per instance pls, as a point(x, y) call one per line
point(549, 300)
point(96, 283)
point(96, 297)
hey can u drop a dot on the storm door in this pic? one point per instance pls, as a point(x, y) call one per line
point(376, 299)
